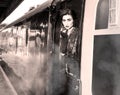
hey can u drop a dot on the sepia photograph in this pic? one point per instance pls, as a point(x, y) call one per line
point(59, 47)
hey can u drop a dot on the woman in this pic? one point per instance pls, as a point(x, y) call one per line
point(69, 50)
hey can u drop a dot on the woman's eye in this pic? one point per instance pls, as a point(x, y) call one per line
point(69, 19)
point(63, 20)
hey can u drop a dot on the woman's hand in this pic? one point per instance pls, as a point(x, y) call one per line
point(63, 33)
point(74, 50)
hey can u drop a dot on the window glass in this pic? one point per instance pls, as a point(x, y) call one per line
point(102, 14)
point(106, 67)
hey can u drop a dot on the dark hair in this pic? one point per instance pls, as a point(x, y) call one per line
point(69, 12)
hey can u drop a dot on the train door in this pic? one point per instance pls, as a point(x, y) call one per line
point(57, 78)
point(100, 53)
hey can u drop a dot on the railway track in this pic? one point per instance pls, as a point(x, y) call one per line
point(6, 88)
point(8, 79)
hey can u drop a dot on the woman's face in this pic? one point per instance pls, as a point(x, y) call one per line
point(67, 21)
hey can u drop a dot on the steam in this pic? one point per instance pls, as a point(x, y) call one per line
point(39, 74)
point(26, 73)
point(57, 80)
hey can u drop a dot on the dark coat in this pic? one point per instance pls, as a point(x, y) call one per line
point(61, 81)
point(69, 47)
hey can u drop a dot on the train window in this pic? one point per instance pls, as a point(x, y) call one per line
point(102, 14)
point(66, 50)
point(107, 14)
point(105, 53)
point(113, 12)
point(100, 51)
point(105, 65)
